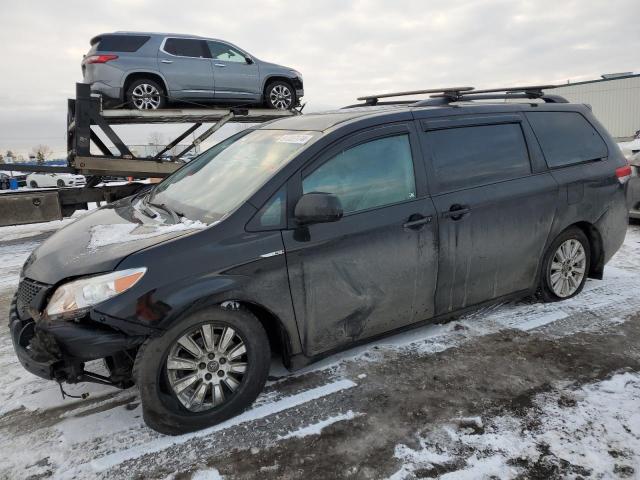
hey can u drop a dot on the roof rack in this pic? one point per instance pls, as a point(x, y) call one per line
point(445, 96)
point(526, 92)
point(373, 99)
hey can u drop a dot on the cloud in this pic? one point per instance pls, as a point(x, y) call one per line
point(344, 48)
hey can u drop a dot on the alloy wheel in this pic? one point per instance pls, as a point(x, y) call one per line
point(206, 366)
point(280, 97)
point(567, 268)
point(145, 97)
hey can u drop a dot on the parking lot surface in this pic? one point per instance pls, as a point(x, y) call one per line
point(520, 390)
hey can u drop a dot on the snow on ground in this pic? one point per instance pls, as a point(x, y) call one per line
point(42, 434)
point(592, 431)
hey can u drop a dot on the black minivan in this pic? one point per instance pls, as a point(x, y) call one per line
point(308, 234)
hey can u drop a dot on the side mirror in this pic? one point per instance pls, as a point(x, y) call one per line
point(318, 207)
point(249, 60)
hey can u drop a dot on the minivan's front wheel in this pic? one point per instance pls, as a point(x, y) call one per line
point(145, 94)
point(280, 95)
point(565, 266)
point(207, 368)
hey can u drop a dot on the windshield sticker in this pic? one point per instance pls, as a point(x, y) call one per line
point(295, 138)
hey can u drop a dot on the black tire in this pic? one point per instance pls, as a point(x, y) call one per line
point(33, 184)
point(272, 97)
point(60, 183)
point(162, 410)
point(139, 85)
point(546, 289)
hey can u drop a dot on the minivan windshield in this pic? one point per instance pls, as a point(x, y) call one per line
point(219, 180)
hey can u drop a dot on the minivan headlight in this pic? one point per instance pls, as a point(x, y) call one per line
point(78, 295)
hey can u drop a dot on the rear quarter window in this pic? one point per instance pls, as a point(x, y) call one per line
point(466, 157)
point(121, 43)
point(566, 138)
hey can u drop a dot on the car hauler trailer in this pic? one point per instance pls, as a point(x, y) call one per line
point(85, 116)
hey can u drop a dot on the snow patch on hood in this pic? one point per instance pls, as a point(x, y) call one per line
point(103, 235)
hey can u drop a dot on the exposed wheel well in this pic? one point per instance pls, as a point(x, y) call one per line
point(270, 80)
point(277, 334)
point(597, 252)
point(138, 75)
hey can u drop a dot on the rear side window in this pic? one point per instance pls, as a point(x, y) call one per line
point(121, 43)
point(467, 157)
point(186, 47)
point(372, 174)
point(567, 138)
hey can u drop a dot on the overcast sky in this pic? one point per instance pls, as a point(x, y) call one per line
point(343, 48)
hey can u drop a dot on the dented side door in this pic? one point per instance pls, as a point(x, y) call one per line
point(369, 273)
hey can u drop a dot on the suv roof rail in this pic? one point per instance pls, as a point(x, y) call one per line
point(444, 96)
point(373, 99)
point(530, 92)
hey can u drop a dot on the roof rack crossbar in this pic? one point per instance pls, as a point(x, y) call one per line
point(531, 90)
point(373, 99)
point(491, 96)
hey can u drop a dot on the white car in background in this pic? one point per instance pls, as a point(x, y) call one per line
point(44, 179)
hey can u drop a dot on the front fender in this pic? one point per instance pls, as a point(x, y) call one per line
point(263, 283)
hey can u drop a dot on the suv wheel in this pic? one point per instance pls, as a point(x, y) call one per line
point(206, 369)
point(146, 94)
point(33, 184)
point(565, 266)
point(60, 183)
point(280, 95)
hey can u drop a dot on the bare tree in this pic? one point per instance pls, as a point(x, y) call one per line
point(42, 153)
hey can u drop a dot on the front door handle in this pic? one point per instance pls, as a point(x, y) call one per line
point(456, 211)
point(416, 221)
point(166, 61)
point(219, 64)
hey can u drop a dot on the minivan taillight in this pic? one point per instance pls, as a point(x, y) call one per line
point(623, 173)
point(100, 58)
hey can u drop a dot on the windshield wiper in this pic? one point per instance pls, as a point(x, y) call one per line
point(147, 211)
point(163, 206)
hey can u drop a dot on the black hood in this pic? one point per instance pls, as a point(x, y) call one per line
point(98, 242)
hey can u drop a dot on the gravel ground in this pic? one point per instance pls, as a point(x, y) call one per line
point(522, 390)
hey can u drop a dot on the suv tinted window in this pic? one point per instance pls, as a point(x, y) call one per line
point(222, 51)
point(376, 173)
point(121, 43)
point(185, 47)
point(567, 138)
point(466, 157)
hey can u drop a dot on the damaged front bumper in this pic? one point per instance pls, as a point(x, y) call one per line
point(58, 350)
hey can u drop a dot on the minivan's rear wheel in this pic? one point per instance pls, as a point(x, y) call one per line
point(146, 94)
point(280, 95)
point(565, 266)
point(206, 369)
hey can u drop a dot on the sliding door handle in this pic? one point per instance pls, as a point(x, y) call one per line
point(416, 221)
point(456, 212)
